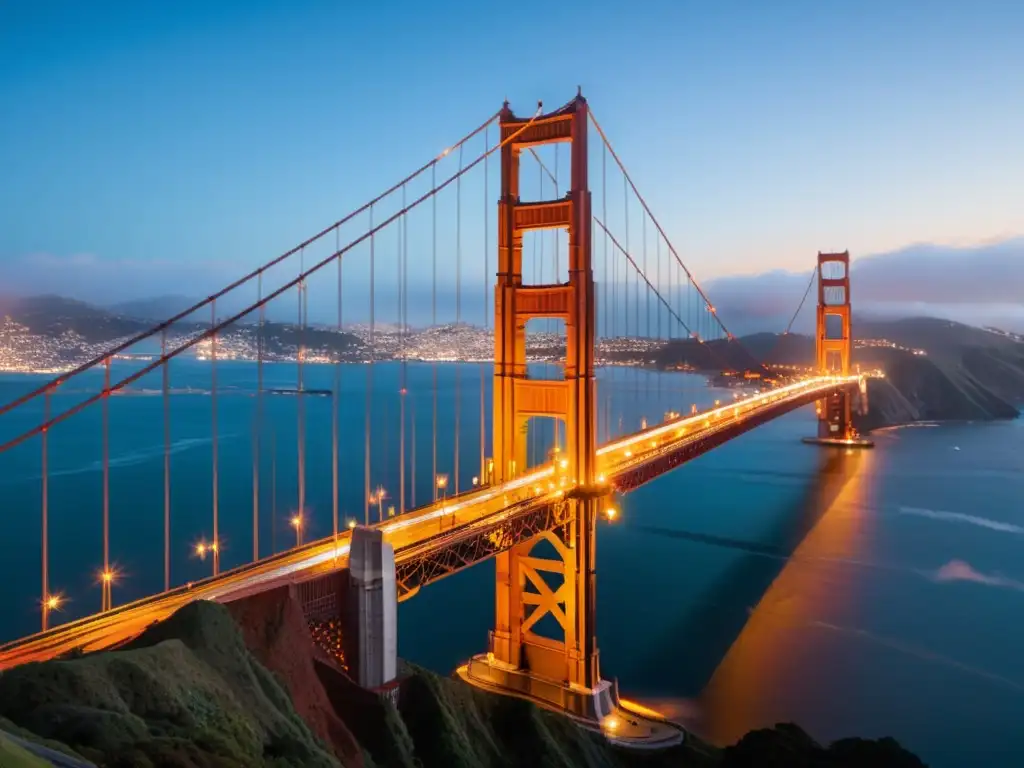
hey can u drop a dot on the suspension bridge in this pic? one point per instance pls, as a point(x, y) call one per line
point(578, 293)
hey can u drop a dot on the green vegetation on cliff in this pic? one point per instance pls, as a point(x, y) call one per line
point(189, 692)
point(186, 693)
point(13, 756)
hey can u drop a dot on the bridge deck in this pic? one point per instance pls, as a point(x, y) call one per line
point(443, 537)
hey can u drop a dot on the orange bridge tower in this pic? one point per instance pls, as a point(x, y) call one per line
point(834, 346)
point(561, 671)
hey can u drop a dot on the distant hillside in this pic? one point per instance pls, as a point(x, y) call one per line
point(987, 367)
point(967, 373)
point(55, 315)
point(943, 338)
point(156, 309)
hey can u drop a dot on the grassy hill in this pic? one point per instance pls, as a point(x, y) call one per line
point(187, 692)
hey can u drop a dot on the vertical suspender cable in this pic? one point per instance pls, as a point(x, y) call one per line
point(643, 260)
point(301, 409)
point(335, 404)
point(166, 385)
point(599, 310)
point(558, 274)
point(213, 435)
point(105, 598)
point(369, 382)
point(45, 513)
point(647, 305)
point(636, 303)
point(458, 316)
point(540, 278)
point(402, 232)
point(555, 279)
point(665, 287)
point(626, 271)
point(273, 491)
point(412, 423)
point(433, 322)
point(537, 279)
point(487, 250)
point(257, 425)
point(606, 307)
point(657, 308)
point(405, 336)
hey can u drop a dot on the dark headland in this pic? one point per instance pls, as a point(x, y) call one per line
point(244, 686)
point(934, 370)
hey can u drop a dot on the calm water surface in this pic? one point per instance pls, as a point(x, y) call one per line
point(864, 593)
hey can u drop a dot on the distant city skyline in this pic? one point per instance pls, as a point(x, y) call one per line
point(154, 150)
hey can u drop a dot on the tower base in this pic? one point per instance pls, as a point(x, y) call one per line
point(840, 442)
point(597, 709)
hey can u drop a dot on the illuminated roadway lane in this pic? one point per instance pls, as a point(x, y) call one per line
point(408, 533)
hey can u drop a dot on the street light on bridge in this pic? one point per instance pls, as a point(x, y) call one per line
point(203, 548)
point(441, 483)
point(296, 523)
point(51, 602)
point(106, 578)
point(377, 497)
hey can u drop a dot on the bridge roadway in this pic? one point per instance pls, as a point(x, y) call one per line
point(623, 464)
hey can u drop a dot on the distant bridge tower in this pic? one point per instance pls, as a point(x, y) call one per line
point(834, 343)
point(564, 671)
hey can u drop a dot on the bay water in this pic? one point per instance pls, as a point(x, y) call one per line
point(861, 593)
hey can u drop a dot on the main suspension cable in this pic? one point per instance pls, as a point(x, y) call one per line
point(640, 275)
point(654, 220)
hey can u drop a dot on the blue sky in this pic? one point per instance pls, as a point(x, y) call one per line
point(168, 147)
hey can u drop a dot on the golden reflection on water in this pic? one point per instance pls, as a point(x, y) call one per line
point(775, 654)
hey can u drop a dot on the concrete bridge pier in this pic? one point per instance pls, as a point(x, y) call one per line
point(370, 615)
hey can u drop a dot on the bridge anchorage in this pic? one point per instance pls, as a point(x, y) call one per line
point(563, 673)
point(834, 344)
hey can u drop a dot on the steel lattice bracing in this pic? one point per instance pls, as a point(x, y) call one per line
point(448, 553)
